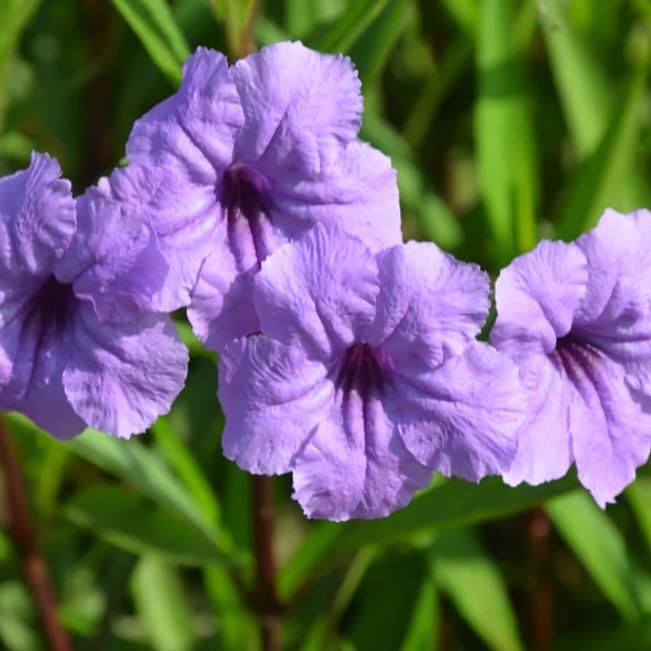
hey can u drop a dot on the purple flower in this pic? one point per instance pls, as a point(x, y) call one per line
point(75, 349)
point(577, 320)
point(367, 376)
point(243, 159)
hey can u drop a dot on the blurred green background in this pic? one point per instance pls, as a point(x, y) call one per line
point(508, 121)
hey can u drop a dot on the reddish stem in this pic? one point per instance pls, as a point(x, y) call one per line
point(267, 605)
point(34, 565)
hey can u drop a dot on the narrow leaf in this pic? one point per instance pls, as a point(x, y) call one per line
point(600, 547)
point(472, 581)
point(160, 44)
point(161, 605)
point(129, 521)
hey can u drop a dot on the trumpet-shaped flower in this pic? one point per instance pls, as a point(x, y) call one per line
point(367, 375)
point(576, 318)
point(243, 159)
point(75, 347)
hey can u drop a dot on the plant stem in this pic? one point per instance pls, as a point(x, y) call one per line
point(34, 565)
point(267, 605)
point(542, 597)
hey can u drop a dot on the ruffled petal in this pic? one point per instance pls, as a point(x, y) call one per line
point(120, 377)
point(618, 251)
point(272, 396)
point(35, 351)
point(114, 259)
point(196, 126)
point(357, 190)
point(616, 312)
point(544, 446)
point(609, 430)
point(184, 214)
point(537, 297)
point(427, 299)
point(355, 464)
point(298, 105)
point(222, 302)
point(318, 292)
point(37, 218)
point(462, 418)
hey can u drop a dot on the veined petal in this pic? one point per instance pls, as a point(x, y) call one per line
point(427, 299)
point(184, 214)
point(114, 259)
point(120, 377)
point(37, 218)
point(610, 432)
point(196, 126)
point(544, 445)
point(463, 417)
point(272, 396)
point(537, 297)
point(298, 104)
point(355, 464)
point(357, 190)
point(318, 292)
point(618, 251)
point(222, 306)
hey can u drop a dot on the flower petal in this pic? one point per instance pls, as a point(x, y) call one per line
point(544, 446)
point(272, 396)
point(616, 312)
point(298, 104)
point(357, 190)
point(618, 251)
point(318, 292)
point(537, 297)
point(37, 218)
point(114, 259)
point(610, 432)
point(355, 465)
point(197, 125)
point(120, 377)
point(462, 418)
point(428, 298)
point(184, 214)
point(36, 353)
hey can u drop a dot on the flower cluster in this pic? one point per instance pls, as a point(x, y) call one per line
point(347, 357)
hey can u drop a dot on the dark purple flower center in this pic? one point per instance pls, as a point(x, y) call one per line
point(579, 358)
point(50, 307)
point(363, 370)
point(246, 201)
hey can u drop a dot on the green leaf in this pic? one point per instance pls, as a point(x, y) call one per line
point(161, 605)
point(417, 196)
point(371, 52)
point(600, 547)
point(131, 522)
point(14, 17)
point(349, 27)
point(448, 504)
point(18, 629)
point(422, 630)
point(599, 183)
point(506, 147)
point(472, 581)
point(379, 615)
point(582, 86)
point(155, 26)
point(639, 495)
point(142, 469)
point(187, 469)
point(133, 462)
